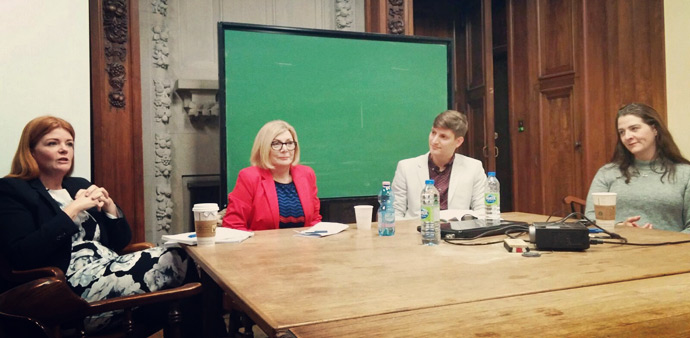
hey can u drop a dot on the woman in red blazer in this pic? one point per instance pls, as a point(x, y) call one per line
point(275, 192)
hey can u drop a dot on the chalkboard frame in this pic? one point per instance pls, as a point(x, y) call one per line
point(225, 26)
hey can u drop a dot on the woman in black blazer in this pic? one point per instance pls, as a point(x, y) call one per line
point(48, 218)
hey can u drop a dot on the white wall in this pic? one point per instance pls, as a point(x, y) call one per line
point(676, 14)
point(44, 70)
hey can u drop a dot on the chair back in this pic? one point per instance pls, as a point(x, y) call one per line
point(576, 204)
point(10, 278)
point(19, 326)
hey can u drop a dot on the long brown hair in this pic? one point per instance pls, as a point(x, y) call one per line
point(667, 152)
point(24, 165)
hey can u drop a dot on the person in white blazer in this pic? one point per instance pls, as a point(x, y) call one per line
point(467, 181)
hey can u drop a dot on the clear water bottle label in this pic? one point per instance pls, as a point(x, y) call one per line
point(491, 199)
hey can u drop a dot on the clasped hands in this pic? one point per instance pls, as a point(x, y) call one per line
point(91, 197)
point(632, 222)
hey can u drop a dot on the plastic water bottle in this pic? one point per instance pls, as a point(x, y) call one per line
point(492, 200)
point(431, 214)
point(386, 214)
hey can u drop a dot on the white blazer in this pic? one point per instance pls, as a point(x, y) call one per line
point(465, 189)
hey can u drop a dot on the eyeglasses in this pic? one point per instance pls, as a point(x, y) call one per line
point(277, 145)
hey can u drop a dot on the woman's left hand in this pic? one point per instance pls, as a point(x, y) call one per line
point(632, 222)
point(101, 195)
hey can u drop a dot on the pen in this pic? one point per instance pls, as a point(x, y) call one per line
point(192, 235)
point(315, 232)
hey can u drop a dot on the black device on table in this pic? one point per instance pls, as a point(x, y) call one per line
point(470, 227)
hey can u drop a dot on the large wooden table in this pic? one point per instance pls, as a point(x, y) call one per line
point(359, 284)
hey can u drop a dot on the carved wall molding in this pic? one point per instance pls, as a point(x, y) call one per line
point(199, 97)
point(344, 15)
point(160, 46)
point(162, 101)
point(396, 13)
point(163, 155)
point(160, 7)
point(163, 165)
point(115, 30)
point(164, 207)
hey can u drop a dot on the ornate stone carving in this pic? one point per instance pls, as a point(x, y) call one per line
point(343, 14)
point(396, 11)
point(164, 207)
point(162, 100)
point(115, 30)
point(198, 97)
point(160, 46)
point(163, 155)
point(160, 7)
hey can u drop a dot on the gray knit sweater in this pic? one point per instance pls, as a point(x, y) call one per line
point(664, 204)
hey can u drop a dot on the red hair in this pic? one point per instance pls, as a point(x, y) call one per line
point(24, 165)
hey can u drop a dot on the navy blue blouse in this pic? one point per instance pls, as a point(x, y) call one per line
point(291, 212)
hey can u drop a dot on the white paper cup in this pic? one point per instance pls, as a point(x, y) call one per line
point(605, 209)
point(363, 216)
point(205, 220)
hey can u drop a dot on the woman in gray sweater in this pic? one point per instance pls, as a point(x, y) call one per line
point(648, 173)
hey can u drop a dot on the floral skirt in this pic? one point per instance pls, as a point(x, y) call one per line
point(96, 273)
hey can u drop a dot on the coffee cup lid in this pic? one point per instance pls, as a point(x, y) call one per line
point(205, 207)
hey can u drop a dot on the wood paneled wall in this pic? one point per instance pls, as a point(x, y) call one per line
point(572, 64)
point(116, 106)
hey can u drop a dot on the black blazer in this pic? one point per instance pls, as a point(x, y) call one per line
point(35, 233)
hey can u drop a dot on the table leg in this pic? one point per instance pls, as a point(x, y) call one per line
point(213, 324)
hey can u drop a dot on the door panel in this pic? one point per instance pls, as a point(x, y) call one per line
point(561, 160)
point(480, 89)
point(545, 99)
point(556, 36)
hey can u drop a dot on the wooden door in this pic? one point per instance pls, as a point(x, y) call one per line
point(480, 81)
point(117, 151)
point(572, 64)
point(479, 90)
point(544, 56)
point(469, 24)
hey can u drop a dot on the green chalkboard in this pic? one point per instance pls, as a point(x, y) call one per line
point(359, 102)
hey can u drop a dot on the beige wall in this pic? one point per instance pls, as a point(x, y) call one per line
point(44, 69)
point(676, 13)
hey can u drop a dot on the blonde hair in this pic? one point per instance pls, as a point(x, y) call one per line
point(24, 165)
point(261, 151)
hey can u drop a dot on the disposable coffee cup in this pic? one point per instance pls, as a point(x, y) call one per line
point(605, 209)
point(205, 220)
point(363, 216)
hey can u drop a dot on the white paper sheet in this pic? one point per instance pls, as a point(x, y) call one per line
point(223, 235)
point(322, 229)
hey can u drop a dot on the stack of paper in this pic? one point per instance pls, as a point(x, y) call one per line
point(322, 229)
point(223, 235)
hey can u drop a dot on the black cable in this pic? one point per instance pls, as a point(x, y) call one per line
point(589, 222)
point(450, 241)
point(506, 231)
point(647, 244)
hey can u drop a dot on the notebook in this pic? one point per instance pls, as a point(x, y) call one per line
point(475, 227)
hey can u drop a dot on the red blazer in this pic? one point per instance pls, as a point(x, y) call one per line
point(253, 204)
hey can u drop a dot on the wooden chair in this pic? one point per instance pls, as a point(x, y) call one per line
point(43, 301)
point(19, 326)
point(576, 204)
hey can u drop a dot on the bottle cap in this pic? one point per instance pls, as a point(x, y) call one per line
point(429, 182)
point(492, 174)
point(385, 183)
